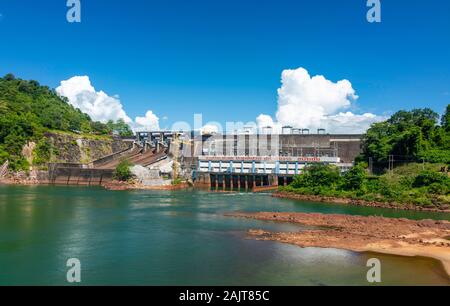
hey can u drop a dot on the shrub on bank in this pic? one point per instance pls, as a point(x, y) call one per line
point(318, 175)
point(123, 171)
point(355, 178)
point(424, 188)
point(177, 182)
point(428, 178)
point(439, 189)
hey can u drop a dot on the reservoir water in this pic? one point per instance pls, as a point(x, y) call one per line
point(178, 238)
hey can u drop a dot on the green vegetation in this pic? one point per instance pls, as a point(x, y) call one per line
point(413, 136)
point(177, 182)
point(101, 137)
point(29, 110)
point(43, 152)
point(426, 188)
point(120, 128)
point(318, 176)
point(123, 172)
point(416, 137)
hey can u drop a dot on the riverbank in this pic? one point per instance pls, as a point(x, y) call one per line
point(112, 186)
point(356, 202)
point(425, 238)
point(123, 186)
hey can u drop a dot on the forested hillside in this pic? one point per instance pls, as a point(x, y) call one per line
point(410, 155)
point(419, 135)
point(29, 110)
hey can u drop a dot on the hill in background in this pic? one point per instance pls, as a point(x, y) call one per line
point(28, 111)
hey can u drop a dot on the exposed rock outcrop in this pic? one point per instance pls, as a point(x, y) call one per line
point(148, 177)
point(27, 151)
point(4, 169)
point(71, 148)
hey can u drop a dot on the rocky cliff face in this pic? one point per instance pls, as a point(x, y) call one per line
point(72, 148)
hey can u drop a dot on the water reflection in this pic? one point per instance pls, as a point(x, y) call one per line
point(173, 238)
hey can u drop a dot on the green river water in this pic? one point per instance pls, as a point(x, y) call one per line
point(178, 238)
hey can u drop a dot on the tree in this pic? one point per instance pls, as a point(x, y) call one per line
point(9, 77)
point(377, 142)
point(408, 143)
point(28, 110)
point(445, 122)
point(4, 156)
point(123, 172)
point(318, 175)
point(355, 178)
point(427, 178)
point(410, 134)
point(3, 106)
point(100, 128)
point(120, 127)
point(423, 118)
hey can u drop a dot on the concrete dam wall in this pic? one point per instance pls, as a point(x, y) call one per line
point(79, 176)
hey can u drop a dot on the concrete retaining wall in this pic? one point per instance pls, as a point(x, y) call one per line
point(78, 176)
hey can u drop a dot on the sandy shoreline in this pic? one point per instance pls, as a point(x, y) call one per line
point(345, 201)
point(425, 238)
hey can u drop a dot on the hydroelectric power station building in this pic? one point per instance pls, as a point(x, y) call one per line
point(257, 160)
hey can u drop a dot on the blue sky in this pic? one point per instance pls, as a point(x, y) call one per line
point(225, 58)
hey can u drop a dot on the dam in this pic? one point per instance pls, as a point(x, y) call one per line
point(245, 161)
point(143, 151)
point(220, 161)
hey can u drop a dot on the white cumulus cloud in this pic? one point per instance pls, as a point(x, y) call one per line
point(266, 121)
point(150, 122)
point(99, 105)
point(349, 122)
point(315, 102)
point(210, 129)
